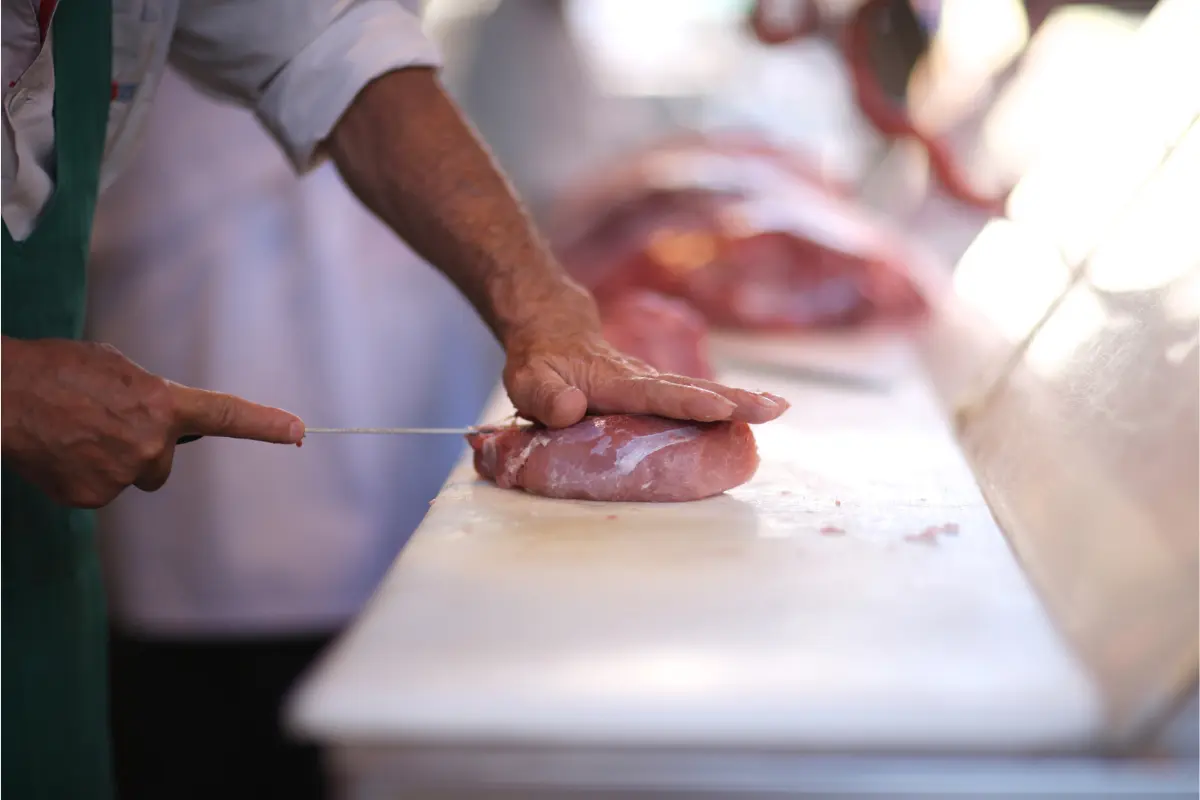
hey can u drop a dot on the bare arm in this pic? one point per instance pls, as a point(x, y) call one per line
point(407, 152)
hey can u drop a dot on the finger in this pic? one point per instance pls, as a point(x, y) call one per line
point(156, 473)
point(540, 393)
point(752, 407)
point(658, 395)
point(215, 414)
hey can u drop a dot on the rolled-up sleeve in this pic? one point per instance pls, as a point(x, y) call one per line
point(298, 63)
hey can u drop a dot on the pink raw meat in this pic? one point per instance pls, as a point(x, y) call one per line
point(666, 333)
point(619, 458)
point(749, 234)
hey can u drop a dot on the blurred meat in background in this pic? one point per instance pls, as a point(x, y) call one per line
point(665, 332)
point(750, 235)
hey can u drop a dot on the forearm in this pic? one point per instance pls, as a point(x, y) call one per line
point(407, 152)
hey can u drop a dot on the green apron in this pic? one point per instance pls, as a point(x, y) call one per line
point(55, 708)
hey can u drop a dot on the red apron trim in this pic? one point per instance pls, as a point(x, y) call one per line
point(45, 14)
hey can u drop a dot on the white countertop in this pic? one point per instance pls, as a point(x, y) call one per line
point(730, 644)
point(802, 611)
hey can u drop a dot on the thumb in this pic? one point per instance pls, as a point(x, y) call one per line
point(540, 393)
point(216, 414)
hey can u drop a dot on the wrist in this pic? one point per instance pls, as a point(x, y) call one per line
point(553, 307)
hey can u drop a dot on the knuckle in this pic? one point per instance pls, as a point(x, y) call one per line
point(150, 449)
point(120, 467)
point(544, 394)
point(160, 401)
point(109, 349)
point(224, 412)
point(517, 382)
point(516, 374)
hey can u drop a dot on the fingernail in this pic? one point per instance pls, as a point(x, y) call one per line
point(779, 401)
point(764, 400)
point(296, 431)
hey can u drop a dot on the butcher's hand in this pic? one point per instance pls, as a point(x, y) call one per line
point(559, 368)
point(82, 422)
point(409, 154)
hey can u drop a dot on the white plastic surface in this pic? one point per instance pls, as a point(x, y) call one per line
point(809, 609)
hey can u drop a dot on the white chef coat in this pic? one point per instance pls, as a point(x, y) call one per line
point(297, 63)
point(215, 266)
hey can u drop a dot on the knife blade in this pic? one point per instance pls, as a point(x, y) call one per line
point(445, 431)
point(389, 431)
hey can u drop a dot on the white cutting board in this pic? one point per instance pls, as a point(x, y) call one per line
point(740, 621)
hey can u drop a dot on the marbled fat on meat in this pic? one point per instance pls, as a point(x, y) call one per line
point(619, 458)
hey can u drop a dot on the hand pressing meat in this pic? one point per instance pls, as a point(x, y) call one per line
point(619, 458)
point(557, 365)
point(665, 332)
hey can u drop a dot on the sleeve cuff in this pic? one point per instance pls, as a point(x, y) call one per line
point(305, 100)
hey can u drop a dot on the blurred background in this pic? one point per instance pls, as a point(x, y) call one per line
point(559, 87)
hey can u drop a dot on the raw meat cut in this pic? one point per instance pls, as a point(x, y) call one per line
point(620, 458)
point(751, 235)
point(665, 332)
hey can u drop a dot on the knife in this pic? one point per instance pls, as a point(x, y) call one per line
point(447, 431)
point(441, 431)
